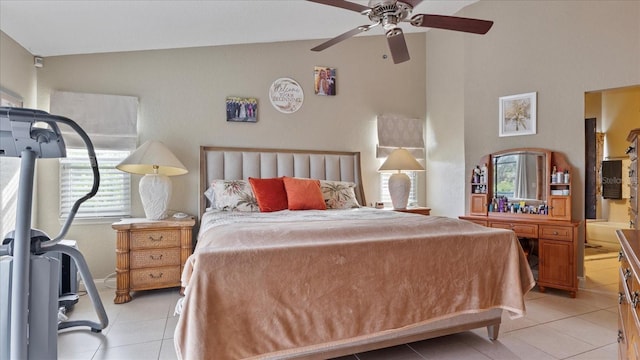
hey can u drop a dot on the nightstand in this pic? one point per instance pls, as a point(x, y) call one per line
point(415, 210)
point(150, 254)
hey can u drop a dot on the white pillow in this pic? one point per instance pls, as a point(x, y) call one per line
point(339, 194)
point(233, 195)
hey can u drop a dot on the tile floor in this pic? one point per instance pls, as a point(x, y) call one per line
point(555, 327)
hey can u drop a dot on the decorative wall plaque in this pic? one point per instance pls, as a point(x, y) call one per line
point(286, 95)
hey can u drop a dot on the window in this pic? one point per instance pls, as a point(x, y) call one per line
point(9, 181)
point(76, 178)
point(384, 188)
point(111, 122)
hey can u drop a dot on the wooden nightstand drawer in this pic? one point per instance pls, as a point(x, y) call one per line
point(154, 258)
point(153, 278)
point(564, 233)
point(150, 254)
point(155, 239)
point(522, 230)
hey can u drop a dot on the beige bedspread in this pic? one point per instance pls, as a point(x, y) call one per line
point(262, 288)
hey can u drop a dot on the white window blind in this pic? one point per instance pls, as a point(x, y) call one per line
point(76, 178)
point(384, 188)
point(396, 131)
point(111, 123)
point(110, 120)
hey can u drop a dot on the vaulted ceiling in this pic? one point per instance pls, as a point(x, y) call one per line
point(56, 27)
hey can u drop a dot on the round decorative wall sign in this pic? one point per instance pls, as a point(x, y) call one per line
point(286, 95)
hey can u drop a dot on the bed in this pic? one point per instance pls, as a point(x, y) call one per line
point(317, 284)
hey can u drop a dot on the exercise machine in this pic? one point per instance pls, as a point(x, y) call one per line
point(28, 277)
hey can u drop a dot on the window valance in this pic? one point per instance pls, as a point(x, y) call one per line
point(110, 120)
point(396, 131)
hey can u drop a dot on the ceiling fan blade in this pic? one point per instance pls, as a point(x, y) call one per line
point(341, 37)
point(343, 4)
point(413, 3)
point(397, 45)
point(475, 26)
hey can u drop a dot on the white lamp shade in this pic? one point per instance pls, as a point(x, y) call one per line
point(399, 183)
point(156, 162)
point(152, 157)
point(401, 159)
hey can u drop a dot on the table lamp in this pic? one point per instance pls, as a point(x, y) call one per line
point(156, 162)
point(399, 183)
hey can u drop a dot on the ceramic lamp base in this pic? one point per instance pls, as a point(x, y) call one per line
point(155, 192)
point(399, 188)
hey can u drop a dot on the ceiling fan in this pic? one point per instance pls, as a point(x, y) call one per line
point(389, 13)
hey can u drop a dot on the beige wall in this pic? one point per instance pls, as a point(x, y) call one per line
point(620, 114)
point(559, 49)
point(533, 46)
point(18, 77)
point(17, 72)
point(182, 103)
point(445, 141)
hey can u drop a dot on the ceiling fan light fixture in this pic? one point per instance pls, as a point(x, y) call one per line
point(390, 13)
point(389, 22)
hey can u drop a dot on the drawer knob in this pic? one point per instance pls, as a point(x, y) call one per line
point(621, 298)
point(620, 336)
point(620, 255)
point(627, 274)
point(555, 233)
point(155, 276)
point(155, 239)
point(636, 299)
point(155, 257)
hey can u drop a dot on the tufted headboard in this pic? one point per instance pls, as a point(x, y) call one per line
point(228, 163)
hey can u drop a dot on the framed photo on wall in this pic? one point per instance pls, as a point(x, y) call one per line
point(240, 109)
point(324, 80)
point(517, 114)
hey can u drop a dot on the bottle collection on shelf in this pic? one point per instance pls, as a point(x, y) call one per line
point(559, 182)
point(559, 176)
point(479, 179)
point(501, 204)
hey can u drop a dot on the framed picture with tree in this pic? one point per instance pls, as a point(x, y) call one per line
point(517, 114)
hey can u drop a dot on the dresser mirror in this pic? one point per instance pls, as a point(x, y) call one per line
point(520, 175)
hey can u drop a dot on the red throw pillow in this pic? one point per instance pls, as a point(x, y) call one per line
point(304, 194)
point(270, 194)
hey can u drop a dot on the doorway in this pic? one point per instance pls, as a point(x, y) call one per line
point(609, 116)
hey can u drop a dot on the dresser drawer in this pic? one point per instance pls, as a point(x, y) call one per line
point(153, 278)
point(564, 233)
point(479, 222)
point(522, 230)
point(161, 238)
point(154, 258)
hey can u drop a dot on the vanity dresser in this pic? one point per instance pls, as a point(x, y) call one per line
point(528, 190)
point(629, 278)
